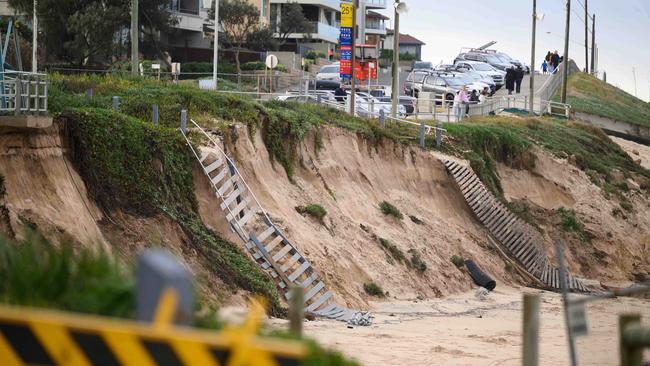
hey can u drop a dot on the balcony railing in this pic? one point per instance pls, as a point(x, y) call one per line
point(376, 25)
point(376, 3)
point(23, 93)
point(176, 6)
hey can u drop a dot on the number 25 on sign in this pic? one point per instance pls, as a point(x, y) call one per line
point(347, 14)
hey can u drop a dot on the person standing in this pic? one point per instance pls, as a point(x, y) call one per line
point(556, 62)
point(340, 94)
point(460, 100)
point(544, 67)
point(519, 77)
point(510, 79)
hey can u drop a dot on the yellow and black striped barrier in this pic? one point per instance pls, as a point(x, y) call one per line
point(40, 337)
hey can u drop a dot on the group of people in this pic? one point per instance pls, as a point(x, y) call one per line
point(514, 77)
point(462, 99)
point(551, 62)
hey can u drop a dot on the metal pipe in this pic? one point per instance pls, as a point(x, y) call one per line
point(135, 34)
point(565, 61)
point(531, 110)
point(35, 40)
point(559, 251)
point(215, 55)
point(395, 67)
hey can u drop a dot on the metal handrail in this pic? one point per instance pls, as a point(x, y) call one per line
point(232, 164)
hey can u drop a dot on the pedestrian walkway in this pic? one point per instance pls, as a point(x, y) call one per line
point(525, 85)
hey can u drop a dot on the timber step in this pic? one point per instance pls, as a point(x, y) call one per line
point(519, 238)
point(263, 240)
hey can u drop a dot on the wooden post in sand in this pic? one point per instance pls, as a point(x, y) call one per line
point(296, 311)
point(630, 355)
point(531, 330)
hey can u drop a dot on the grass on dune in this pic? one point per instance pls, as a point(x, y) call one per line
point(589, 94)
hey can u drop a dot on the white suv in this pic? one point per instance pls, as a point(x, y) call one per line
point(483, 69)
point(330, 73)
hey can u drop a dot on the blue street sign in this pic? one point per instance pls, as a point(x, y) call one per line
point(346, 36)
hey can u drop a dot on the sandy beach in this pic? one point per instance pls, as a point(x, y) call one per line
point(464, 330)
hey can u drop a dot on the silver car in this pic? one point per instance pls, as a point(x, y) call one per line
point(483, 69)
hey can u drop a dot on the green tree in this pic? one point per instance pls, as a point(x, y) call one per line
point(238, 19)
point(262, 40)
point(292, 20)
point(82, 32)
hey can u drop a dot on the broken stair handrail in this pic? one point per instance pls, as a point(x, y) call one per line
point(267, 244)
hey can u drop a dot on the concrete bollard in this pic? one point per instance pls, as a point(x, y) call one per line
point(382, 118)
point(422, 134)
point(184, 121)
point(116, 102)
point(156, 271)
point(154, 116)
point(439, 134)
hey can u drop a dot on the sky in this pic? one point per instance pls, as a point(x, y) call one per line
point(622, 32)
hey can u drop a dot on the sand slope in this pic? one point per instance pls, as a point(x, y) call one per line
point(349, 179)
point(43, 187)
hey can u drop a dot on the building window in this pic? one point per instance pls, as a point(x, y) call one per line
point(265, 3)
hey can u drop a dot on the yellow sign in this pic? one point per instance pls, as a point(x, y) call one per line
point(40, 337)
point(347, 15)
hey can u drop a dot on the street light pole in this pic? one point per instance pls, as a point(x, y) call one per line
point(531, 110)
point(135, 63)
point(353, 82)
point(565, 61)
point(215, 57)
point(35, 41)
point(586, 36)
point(395, 67)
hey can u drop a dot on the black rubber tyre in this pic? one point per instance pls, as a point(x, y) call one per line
point(480, 278)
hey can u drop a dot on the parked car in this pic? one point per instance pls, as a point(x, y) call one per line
point(414, 78)
point(478, 78)
point(484, 69)
point(442, 83)
point(368, 106)
point(445, 67)
point(422, 65)
point(486, 57)
point(329, 73)
point(511, 60)
point(406, 101)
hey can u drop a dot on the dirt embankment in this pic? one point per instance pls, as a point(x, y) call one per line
point(617, 247)
point(349, 178)
point(43, 188)
point(45, 192)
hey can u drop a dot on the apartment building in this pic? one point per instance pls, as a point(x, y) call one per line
point(187, 41)
point(326, 17)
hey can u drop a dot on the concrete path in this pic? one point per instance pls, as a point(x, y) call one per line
point(525, 85)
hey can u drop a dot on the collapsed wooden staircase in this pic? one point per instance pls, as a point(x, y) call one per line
point(522, 241)
point(270, 248)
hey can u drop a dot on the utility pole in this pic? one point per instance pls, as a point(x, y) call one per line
point(586, 36)
point(531, 111)
point(215, 57)
point(394, 94)
point(565, 60)
point(353, 82)
point(35, 40)
point(593, 45)
point(135, 62)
